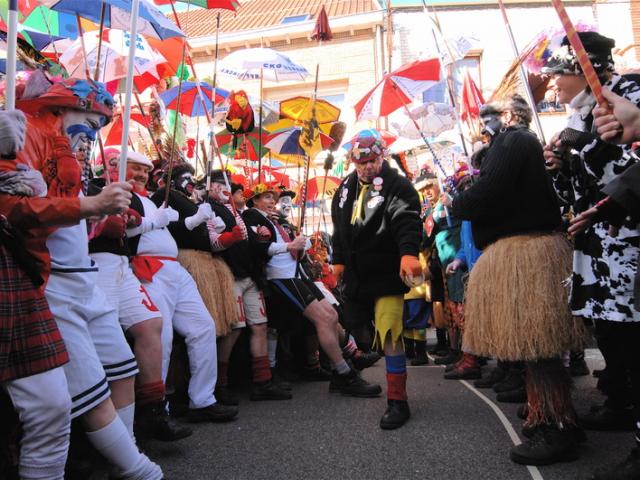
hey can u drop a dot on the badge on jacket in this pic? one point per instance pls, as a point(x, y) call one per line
point(343, 196)
point(374, 202)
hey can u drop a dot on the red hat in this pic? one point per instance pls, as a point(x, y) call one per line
point(365, 149)
point(73, 93)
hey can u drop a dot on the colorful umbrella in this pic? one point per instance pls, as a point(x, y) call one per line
point(295, 108)
point(398, 88)
point(250, 63)
point(190, 99)
point(472, 98)
point(321, 188)
point(383, 135)
point(112, 133)
point(208, 4)
point(247, 146)
point(288, 141)
point(151, 22)
point(60, 24)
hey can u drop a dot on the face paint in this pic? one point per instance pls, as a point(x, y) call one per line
point(218, 191)
point(185, 183)
point(81, 128)
point(284, 206)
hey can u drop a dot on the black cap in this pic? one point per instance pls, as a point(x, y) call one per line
point(563, 61)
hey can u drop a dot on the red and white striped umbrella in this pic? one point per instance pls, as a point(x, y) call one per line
point(398, 88)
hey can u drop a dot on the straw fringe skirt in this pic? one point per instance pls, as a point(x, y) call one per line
point(516, 302)
point(216, 286)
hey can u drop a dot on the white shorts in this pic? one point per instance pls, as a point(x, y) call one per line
point(250, 302)
point(98, 351)
point(123, 290)
point(330, 297)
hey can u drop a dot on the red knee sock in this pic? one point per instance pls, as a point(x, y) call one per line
point(397, 386)
point(223, 370)
point(150, 393)
point(261, 370)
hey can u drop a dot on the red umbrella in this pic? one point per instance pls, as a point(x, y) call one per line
point(472, 98)
point(317, 185)
point(322, 31)
point(247, 144)
point(208, 4)
point(112, 133)
point(398, 88)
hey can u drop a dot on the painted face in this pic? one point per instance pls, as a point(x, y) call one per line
point(568, 86)
point(238, 199)
point(113, 161)
point(82, 128)
point(185, 183)
point(265, 202)
point(139, 174)
point(219, 192)
point(369, 170)
point(284, 206)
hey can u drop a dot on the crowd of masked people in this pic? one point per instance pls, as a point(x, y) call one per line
point(131, 309)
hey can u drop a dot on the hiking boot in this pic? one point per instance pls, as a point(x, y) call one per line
point(451, 366)
point(547, 445)
point(442, 347)
point(420, 359)
point(268, 391)
point(396, 415)
point(213, 413)
point(353, 384)
point(409, 348)
point(607, 419)
point(279, 380)
point(513, 380)
point(362, 360)
point(519, 395)
point(578, 368)
point(578, 433)
point(315, 374)
point(467, 369)
point(452, 357)
point(628, 469)
point(225, 396)
point(598, 373)
point(152, 421)
point(495, 376)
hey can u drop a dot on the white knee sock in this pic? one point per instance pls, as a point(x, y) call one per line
point(127, 414)
point(117, 446)
point(272, 346)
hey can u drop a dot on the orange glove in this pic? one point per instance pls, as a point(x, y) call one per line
point(338, 270)
point(410, 266)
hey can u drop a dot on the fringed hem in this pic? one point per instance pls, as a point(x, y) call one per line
point(549, 394)
point(517, 306)
point(216, 286)
point(388, 320)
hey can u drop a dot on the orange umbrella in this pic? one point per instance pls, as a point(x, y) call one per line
point(112, 133)
point(317, 189)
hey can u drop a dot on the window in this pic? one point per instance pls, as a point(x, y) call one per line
point(295, 18)
point(438, 93)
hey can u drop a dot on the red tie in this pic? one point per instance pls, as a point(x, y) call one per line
point(285, 236)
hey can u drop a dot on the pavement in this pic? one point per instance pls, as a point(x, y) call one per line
point(454, 434)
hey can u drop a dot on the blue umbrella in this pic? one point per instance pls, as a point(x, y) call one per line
point(387, 137)
point(151, 21)
point(190, 100)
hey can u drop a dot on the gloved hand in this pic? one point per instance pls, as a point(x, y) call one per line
point(163, 217)
point(229, 238)
point(133, 218)
point(113, 227)
point(24, 181)
point(410, 266)
point(203, 214)
point(338, 270)
point(576, 139)
point(66, 175)
point(12, 132)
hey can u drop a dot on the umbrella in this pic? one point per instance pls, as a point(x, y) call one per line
point(112, 133)
point(247, 148)
point(387, 137)
point(113, 48)
point(288, 141)
point(190, 99)
point(432, 119)
point(208, 4)
point(317, 189)
point(472, 98)
point(322, 30)
point(398, 88)
point(256, 63)
point(295, 109)
point(61, 24)
point(151, 22)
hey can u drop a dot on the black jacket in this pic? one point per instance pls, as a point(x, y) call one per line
point(513, 194)
point(370, 250)
point(259, 248)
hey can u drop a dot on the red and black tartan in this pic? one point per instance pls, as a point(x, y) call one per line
point(30, 342)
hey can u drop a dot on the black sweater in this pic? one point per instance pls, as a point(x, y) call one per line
point(513, 195)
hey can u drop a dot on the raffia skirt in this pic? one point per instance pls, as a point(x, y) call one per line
point(216, 286)
point(517, 302)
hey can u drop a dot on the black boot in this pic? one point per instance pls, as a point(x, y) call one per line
point(279, 380)
point(353, 384)
point(577, 364)
point(409, 348)
point(628, 469)
point(519, 395)
point(152, 421)
point(608, 419)
point(452, 357)
point(547, 445)
point(362, 360)
point(578, 433)
point(396, 415)
point(268, 391)
point(513, 380)
point(495, 376)
point(421, 353)
point(442, 347)
point(226, 397)
point(315, 374)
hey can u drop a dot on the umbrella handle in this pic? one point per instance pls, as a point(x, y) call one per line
point(12, 52)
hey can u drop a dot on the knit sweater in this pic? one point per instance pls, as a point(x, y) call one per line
point(513, 194)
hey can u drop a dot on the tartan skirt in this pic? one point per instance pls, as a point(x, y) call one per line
point(30, 342)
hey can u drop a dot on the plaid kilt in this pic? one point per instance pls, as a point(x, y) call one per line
point(30, 342)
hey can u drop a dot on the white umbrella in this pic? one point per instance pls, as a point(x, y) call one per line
point(432, 119)
point(265, 63)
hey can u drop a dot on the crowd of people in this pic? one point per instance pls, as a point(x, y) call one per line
point(122, 302)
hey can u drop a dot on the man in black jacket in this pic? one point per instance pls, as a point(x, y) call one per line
point(376, 238)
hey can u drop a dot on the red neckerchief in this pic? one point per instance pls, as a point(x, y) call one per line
point(140, 191)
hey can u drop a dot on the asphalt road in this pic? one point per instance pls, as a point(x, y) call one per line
point(453, 434)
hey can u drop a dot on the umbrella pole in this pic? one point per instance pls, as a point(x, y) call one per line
point(260, 126)
point(153, 137)
point(214, 143)
point(12, 52)
point(103, 9)
point(523, 72)
point(84, 49)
